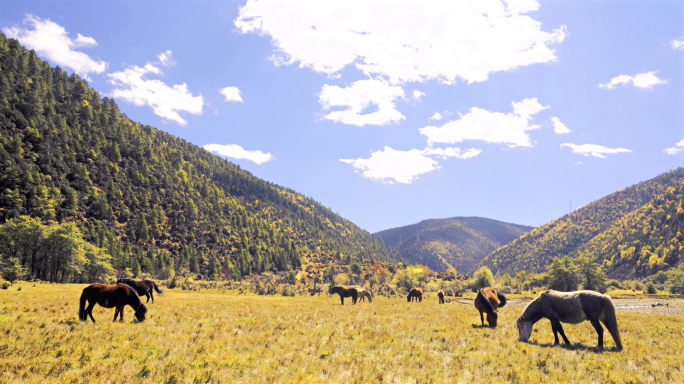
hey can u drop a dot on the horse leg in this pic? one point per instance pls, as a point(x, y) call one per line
point(342, 298)
point(599, 330)
point(482, 318)
point(89, 311)
point(152, 295)
point(555, 333)
point(559, 328)
point(121, 310)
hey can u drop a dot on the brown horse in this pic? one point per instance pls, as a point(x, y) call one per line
point(440, 294)
point(415, 293)
point(489, 301)
point(143, 288)
point(571, 308)
point(363, 294)
point(344, 292)
point(111, 296)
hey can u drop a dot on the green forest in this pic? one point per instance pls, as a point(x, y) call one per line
point(458, 242)
point(154, 203)
point(635, 232)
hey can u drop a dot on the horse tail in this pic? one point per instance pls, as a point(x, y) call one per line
point(502, 299)
point(81, 307)
point(610, 320)
point(159, 291)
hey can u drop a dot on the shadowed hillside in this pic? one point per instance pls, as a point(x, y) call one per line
point(458, 242)
point(155, 202)
point(634, 232)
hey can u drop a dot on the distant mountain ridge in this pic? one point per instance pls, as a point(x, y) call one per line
point(634, 232)
point(458, 242)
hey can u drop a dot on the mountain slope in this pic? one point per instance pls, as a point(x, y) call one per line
point(151, 199)
point(458, 242)
point(624, 230)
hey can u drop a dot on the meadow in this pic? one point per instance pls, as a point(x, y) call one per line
point(222, 336)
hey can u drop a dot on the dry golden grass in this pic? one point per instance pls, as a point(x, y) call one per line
point(211, 336)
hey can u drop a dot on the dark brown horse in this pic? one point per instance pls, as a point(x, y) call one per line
point(440, 295)
point(344, 292)
point(143, 288)
point(363, 294)
point(110, 296)
point(489, 301)
point(415, 293)
point(572, 308)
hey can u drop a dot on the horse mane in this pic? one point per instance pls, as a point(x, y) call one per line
point(485, 302)
point(532, 307)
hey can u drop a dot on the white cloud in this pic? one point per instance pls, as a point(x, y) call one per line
point(51, 41)
point(559, 127)
point(232, 94)
point(359, 96)
point(677, 43)
point(406, 41)
point(166, 58)
point(237, 152)
point(417, 94)
point(132, 86)
point(437, 116)
point(593, 149)
point(491, 127)
point(387, 164)
point(404, 166)
point(676, 149)
point(646, 80)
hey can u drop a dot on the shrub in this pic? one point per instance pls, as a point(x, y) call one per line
point(5, 285)
point(677, 280)
point(482, 278)
point(650, 289)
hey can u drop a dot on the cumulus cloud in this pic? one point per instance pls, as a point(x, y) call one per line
point(559, 127)
point(437, 116)
point(409, 41)
point(232, 94)
point(359, 96)
point(390, 165)
point(237, 152)
point(676, 149)
point(51, 41)
point(492, 127)
point(166, 58)
point(593, 149)
point(646, 80)
point(132, 85)
point(677, 43)
point(417, 94)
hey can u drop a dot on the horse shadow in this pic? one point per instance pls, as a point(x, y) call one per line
point(480, 326)
point(574, 347)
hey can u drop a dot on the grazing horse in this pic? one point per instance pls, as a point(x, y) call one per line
point(344, 292)
point(111, 296)
point(571, 308)
point(415, 293)
point(488, 300)
point(363, 294)
point(143, 288)
point(440, 294)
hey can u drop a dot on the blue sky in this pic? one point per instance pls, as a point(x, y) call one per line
point(391, 114)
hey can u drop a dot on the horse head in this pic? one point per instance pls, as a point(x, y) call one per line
point(141, 312)
point(492, 318)
point(524, 329)
point(333, 289)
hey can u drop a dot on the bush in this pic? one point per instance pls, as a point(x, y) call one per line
point(5, 285)
point(482, 278)
point(650, 289)
point(677, 280)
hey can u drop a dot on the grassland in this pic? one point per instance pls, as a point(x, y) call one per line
point(215, 336)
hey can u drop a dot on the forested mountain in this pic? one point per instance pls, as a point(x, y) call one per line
point(634, 232)
point(153, 201)
point(458, 242)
